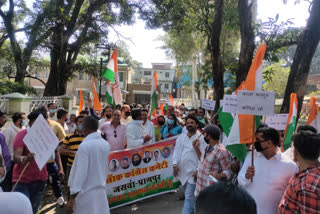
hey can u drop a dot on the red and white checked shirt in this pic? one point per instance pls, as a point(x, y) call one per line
point(216, 160)
point(302, 194)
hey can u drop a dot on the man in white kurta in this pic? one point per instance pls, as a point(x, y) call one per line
point(135, 134)
point(87, 180)
point(186, 160)
point(148, 126)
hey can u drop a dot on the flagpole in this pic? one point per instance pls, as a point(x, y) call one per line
point(253, 139)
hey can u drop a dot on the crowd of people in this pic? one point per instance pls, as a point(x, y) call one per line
point(213, 180)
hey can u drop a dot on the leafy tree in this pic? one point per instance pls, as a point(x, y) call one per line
point(79, 22)
point(276, 77)
point(307, 44)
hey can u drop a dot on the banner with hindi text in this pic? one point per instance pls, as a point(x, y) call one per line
point(136, 174)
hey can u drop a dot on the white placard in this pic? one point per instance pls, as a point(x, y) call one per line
point(230, 103)
point(208, 104)
point(256, 102)
point(277, 121)
point(41, 141)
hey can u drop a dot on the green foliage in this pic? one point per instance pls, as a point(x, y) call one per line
point(276, 77)
point(7, 87)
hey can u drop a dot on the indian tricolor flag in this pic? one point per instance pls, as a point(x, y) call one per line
point(81, 102)
point(314, 117)
point(96, 101)
point(171, 100)
point(291, 124)
point(109, 94)
point(111, 67)
point(243, 127)
point(154, 97)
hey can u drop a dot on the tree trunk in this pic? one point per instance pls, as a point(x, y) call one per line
point(307, 44)
point(247, 41)
point(214, 48)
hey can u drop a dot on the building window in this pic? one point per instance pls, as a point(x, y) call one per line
point(121, 76)
point(167, 74)
point(166, 86)
point(80, 76)
point(37, 74)
point(147, 73)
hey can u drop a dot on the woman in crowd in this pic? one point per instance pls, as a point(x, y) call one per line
point(159, 123)
point(171, 128)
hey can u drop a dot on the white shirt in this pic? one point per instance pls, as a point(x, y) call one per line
point(270, 180)
point(149, 130)
point(103, 121)
point(72, 127)
point(89, 174)
point(52, 118)
point(10, 133)
point(14, 202)
point(185, 157)
point(134, 134)
point(126, 121)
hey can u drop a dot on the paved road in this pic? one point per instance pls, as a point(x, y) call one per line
point(165, 203)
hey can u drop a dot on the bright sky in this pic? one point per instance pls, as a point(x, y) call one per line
point(145, 47)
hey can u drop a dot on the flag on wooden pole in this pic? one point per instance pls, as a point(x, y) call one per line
point(154, 97)
point(81, 102)
point(243, 126)
point(96, 101)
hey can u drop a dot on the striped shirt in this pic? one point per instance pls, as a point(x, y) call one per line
point(72, 140)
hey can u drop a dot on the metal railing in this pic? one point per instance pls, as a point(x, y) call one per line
point(44, 101)
point(4, 104)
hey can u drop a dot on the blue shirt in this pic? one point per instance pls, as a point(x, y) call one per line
point(165, 131)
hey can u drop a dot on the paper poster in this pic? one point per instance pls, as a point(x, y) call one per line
point(208, 104)
point(140, 173)
point(41, 141)
point(256, 102)
point(230, 103)
point(277, 121)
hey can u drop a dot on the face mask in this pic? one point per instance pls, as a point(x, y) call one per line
point(127, 113)
point(161, 123)
point(23, 123)
point(206, 140)
point(108, 116)
point(200, 118)
point(52, 111)
point(170, 122)
point(80, 127)
point(258, 147)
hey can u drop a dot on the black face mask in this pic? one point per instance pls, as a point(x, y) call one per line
point(206, 140)
point(258, 147)
point(108, 116)
point(161, 123)
point(127, 113)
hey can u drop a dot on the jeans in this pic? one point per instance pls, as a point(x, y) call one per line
point(189, 201)
point(34, 191)
point(53, 171)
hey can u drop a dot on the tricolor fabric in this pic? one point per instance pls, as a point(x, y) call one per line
point(96, 101)
point(111, 67)
point(314, 117)
point(109, 94)
point(81, 102)
point(171, 100)
point(154, 97)
point(291, 124)
point(244, 126)
point(161, 109)
point(111, 73)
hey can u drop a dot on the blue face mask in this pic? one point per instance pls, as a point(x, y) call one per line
point(23, 122)
point(200, 117)
point(52, 111)
point(80, 127)
point(170, 122)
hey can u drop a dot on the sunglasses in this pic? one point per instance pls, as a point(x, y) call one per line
point(115, 133)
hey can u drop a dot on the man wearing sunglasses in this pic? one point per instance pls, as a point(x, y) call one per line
point(115, 131)
point(271, 171)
